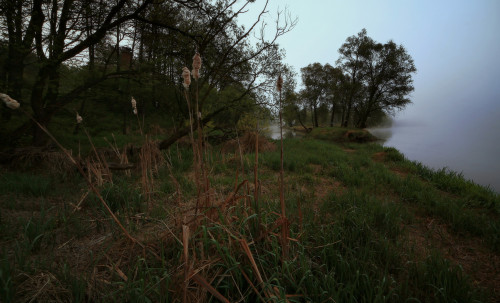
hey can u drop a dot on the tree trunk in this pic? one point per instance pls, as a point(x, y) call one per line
point(316, 116)
point(300, 121)
point(333, 113)
point(348, 114)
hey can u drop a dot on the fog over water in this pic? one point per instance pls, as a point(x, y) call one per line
point(465, 140)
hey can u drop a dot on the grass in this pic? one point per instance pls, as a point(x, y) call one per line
point(17, 183)
point(366, 225)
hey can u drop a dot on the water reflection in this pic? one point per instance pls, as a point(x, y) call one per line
point(273, 131)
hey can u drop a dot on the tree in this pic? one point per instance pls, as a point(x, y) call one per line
point(314, 80)
point(334, 80)
point(350, 61)
point(162, 35)
point(379, 77)
point(387, 72)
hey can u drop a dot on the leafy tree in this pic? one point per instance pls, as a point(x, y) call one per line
point(387, 72)
point(379, 77)
point(350, 61)
point(163, 36)
point(315, 84)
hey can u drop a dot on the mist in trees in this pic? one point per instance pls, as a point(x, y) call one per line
point(369, 81)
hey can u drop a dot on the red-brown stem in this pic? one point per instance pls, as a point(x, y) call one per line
point(195, 153)
point(139, 122)
point(256, 177)
point(284, 227)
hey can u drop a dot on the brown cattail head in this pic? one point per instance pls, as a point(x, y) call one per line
point(134, 106)
point(9, 102)
point(196, 66)
point(197, 61)
point(134, 103)
point(279, 84)
point(196, 73)
point(187, 77)
point(79, 118)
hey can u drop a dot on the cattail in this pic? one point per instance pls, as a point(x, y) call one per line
point(79, 118)
point(187, 77)
point(134, 106)
point(196, 66)
point(196, 73)
point(279, 84)
point(134, 103)
point(197, 61)
point(9, 102)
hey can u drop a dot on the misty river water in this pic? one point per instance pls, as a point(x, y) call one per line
point(472, 150)
point(463, 148)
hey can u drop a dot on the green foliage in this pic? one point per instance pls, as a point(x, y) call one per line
point(341, 135)
point(351, 230)
point(392, 154)
point(7, 287)
point(37, 229)
point(121, 195)
point(444, 281)
point(25, 184)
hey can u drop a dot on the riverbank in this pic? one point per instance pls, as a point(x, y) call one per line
point(365, 224)
point(465, 148)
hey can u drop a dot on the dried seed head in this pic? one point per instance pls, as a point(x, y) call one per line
point(196, 73)
point(9, 102)
point(79, 118)
point(187, 77)
point(279, 84)
point(134, 103)
point(197, 61)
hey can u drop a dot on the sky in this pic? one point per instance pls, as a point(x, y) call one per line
point(455, 45)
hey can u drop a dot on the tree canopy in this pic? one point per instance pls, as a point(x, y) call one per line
point(63, 56)
point(370, 79)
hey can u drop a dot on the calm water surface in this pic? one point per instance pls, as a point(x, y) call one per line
point(472, 149)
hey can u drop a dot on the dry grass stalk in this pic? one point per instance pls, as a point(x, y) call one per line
point(89, 183)
point(202, 282)
point(102, 164)
point(42, 287)
point(246, 250)
point(256, 179)
point(150, 159)
point(185, 243)
point(285, 226)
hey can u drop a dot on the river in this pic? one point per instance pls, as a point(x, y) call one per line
point(470, 147)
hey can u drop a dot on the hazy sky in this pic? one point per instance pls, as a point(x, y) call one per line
point(455, 115)
point(455, 45)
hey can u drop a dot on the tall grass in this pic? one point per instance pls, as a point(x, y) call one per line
point(25, 184)
point(206, 242)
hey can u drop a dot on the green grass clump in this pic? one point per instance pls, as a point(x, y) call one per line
point(25, 184)
point(120, 195)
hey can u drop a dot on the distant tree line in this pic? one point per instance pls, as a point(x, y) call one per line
point(370, 80)
point(58, 57)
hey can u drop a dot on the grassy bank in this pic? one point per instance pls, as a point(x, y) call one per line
point(365, 225)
